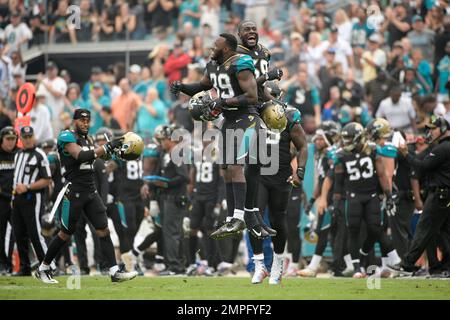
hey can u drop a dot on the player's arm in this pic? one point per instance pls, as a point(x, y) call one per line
point(430, 162)
point(191, 89)
point(247, 82)
point(83, 156)
point(389, 169)
point(415, 186)
point(338, 182)
point(299, 140)
point(382, 176)
point(322, 203)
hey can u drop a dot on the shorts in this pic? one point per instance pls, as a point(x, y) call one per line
point(76, 203)
point(362, 206)
point(202, 215)
point(239, 142)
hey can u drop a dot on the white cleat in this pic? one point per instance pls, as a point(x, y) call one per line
point(129, 259)
point(348, 272)
point(121, 276)
point(260, 272)
point(45, 276)
point(307, 273)
point(276, 272)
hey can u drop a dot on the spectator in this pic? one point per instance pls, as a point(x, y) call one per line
point(17, 34)
point(293, 56)
point(96, 75)
point(55, 89)
point(322, 27)
point(360, 32)
point(66, 76)
point(161, 15)
point(146, 80)
point(60, 32)
point(196, 52)
point(344, 53)
point(38, 29)
point(396, 24)
point(315, 52)
point(442, 37)
point(398, 110)
point(40, 117)
point(176, 63)
point(378, 89)
point(320, 9)
point(109, 121)
point(107, 22)
point(125, 22)
point(125, 106)
point(180, 114)
point(88, 30)
point(423, 69)
point(151, 113)
point(256, 10)
point(139, 11)
point(97, 100)
point(432, 106)
point(331, 108)
point(443, 71)
point(135, 74)
point(352, 92)
point(160, 82)
point(410, 85)
point(373, 58)
point(5, 120)
point(305, 98)
point(5, 73)
point(303, 23)
point(344, 25)
point(73, 99)
point(17, 66)
point(278, 49)
point(266, 30)
point(394, 56)
point(422, 38)
point(238, 8)
point(189, 12)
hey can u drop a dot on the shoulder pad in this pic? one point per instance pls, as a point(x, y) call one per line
point(388, 151)
point(293, 116)
point(265, 51)
point(66, 136)
point(244, 62)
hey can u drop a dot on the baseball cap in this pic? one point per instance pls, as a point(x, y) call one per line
point(51, 65)
point(81, 114)
point(135, 68)
point(8, 132)
point(417, 18)
point(26, 131)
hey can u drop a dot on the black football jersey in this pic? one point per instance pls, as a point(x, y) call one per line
point(129, 178)
point(359, 170)
point(81, 175)
point(261, 59)
point(225, 81)
point(207, 176)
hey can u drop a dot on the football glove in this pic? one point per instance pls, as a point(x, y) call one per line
point(391, 208)
point(274, 74)
point(110, 146)
point(176, 87)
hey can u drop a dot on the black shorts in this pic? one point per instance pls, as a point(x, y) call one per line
point(202, 215)
point(76, 203)
point(362, 206)
point(239, 143)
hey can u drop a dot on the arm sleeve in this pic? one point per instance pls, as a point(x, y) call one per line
point(435, 158)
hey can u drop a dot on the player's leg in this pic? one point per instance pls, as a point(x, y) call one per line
point(80, 241)
point(257, 244)
point(294, 242)
point(354, 213)
point(400, 224)
point(197, 214)
point(172, 235)
point(278, 202)
point(213, 255)
point(95, 212)
point(116, 212)
point(5, 215)
point(20, 233)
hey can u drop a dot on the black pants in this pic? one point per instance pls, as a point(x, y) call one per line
point(80, 236)
point(112, 211)
point(294, 242)
point(26, 222)
point(339, 241)
point(172, 220)
point(6, 238)
point(434, 220)
point(400, 225)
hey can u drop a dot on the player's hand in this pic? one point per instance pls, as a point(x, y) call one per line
point(274, 74)
point(294, 180)
point(391, 208)
point(418, 203)
point(321, 205)
point(144, 191)
point(214, 109)
point(113, 145)
point(175, 87)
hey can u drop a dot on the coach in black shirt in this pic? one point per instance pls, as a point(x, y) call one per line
point(436, 212)
point(31, 177)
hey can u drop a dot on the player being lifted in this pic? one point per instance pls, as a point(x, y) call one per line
point(248, 35)
point(77, 153)
point(357, 172)
point(232, 75)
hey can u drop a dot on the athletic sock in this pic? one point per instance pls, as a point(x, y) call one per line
point(394, 257)
point(315, 262)
point(113, 270)
point(348, 261)
point(53, 249)
point(238, 214)
point(107, 248)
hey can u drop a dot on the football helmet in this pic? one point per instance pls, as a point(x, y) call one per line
point(101, 132)
point(199, 107)
point(353, 136)
point(378, 128)
point(274, 116)
point(132, 147)
point(331, 131)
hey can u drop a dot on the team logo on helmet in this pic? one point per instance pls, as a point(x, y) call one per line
point(132, 147)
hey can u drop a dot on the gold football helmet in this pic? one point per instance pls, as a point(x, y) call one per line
point(132, 147)
point(274, 116)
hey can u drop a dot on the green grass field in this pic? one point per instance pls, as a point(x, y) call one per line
point(223, 288)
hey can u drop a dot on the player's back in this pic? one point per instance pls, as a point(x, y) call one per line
point(80, 175)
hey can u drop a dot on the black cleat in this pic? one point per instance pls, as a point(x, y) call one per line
point(232, 227)
point(270, 231)
point(402, 269)
point(259, 232)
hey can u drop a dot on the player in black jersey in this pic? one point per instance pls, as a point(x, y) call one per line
point(208, 191)
point(232, 75)
point(77, 153)
point(274, 192)
point(358, 171)
point(248, 35)
point(8, 149)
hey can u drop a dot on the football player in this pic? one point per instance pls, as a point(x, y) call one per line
point(232, 76)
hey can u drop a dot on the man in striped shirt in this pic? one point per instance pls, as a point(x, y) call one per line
point(31, 177)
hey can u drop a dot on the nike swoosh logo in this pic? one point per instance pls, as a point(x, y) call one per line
point(238, 120)
point(432, 154)
point(229, 230)
point(258, 234)
point(294, 198)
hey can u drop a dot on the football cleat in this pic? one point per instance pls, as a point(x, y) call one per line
point(259, 232)
point(260, 272)
point(307, 273)
point(121, 276)
point(232, 227)
point(403, 270)
point(191, 270)
point(45, 276)
point(348, 272)
point(276, 273)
